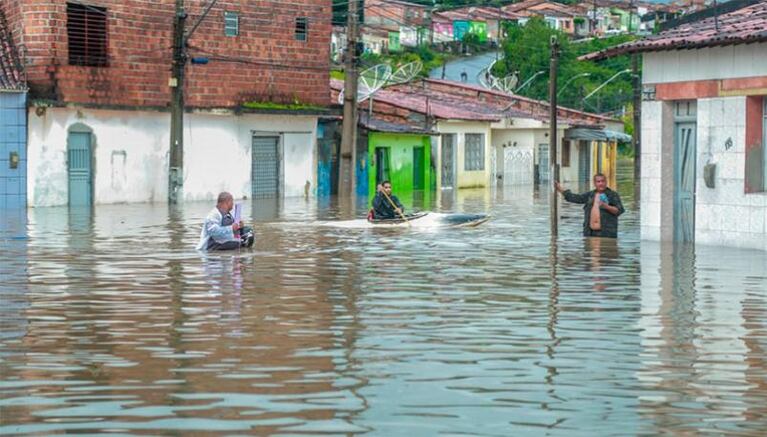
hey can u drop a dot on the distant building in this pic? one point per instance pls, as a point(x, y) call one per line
point(704, 125)
point(98, 101)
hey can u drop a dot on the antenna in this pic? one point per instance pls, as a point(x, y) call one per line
point(405, 73)
point(370, 81)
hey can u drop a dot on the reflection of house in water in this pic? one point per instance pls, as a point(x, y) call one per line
point(702, 326)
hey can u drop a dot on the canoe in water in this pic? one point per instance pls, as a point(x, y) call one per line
point(466, 220)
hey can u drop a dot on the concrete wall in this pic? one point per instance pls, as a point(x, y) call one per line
point(131, 154)
point(712, 63)
point(724, 215)
point(468, 179)
point(13, 139)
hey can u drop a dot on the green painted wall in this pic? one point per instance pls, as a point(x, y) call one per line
point(402, 162)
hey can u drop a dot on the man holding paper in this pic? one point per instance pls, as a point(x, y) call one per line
point(221, 231)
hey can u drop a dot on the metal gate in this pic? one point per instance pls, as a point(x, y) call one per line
point(584, 162)
point(79, 169)
point(265, 173)
point(543, 162)
point(517, 166)
point(684, 182)
point(448, 160)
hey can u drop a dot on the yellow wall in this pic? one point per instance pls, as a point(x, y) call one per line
point(466, 179)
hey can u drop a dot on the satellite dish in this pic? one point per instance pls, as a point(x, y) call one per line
point(405, 73)
point(506, 84)
point(369, 81)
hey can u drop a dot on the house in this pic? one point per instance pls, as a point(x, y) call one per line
point(98, 98)
point(704, 118)
point(13, 123)
point(485, 136)
point(556, 15)
point(409, 19)
point(452, 24)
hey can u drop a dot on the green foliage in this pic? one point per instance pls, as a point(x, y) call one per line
point(295, 106)
point(527, 50)
point(429, 58)
point(471, 40)
point(337, 74)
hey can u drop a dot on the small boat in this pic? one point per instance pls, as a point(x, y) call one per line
point(418, 218)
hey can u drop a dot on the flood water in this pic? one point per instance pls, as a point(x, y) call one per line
point(113, 324)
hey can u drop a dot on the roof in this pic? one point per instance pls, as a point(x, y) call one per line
point(11, 72)
point(743, 26)
point(448, 100)
point(475, 13)
point(376, 124)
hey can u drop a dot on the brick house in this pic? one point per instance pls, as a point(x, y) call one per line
point(410, 20)
point(704, 118)
point(98, 73)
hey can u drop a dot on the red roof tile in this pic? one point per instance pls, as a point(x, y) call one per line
point(743, 26)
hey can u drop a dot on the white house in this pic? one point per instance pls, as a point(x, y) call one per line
point(704, 118)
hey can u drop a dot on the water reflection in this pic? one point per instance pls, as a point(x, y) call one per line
point(112, 323)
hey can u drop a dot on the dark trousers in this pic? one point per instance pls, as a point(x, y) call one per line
point(235, 244)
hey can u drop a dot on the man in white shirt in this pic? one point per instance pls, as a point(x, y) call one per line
point(220, 232)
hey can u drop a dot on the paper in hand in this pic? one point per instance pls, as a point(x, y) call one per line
point(237, 212)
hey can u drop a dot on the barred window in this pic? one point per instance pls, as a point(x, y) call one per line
point(231, 23)
point(87, 35)
point(474, 152)
point(302, 28)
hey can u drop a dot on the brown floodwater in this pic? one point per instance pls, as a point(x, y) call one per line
point(113, 324)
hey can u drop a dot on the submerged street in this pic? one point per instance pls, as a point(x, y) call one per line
point(112, 323)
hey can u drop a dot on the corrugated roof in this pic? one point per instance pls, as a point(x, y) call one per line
point(11, 73)
point(743, 26)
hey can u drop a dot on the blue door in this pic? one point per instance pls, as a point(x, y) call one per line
point(684, 182)
point(79, 165)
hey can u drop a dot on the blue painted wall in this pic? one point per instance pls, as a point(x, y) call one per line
point(13, 138)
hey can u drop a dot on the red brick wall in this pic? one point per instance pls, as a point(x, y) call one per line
point(263, 63)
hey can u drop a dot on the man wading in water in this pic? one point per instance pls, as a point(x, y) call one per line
point(601, 209)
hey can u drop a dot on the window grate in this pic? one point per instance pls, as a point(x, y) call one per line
point(302, 29)
point(231, 23)
point(87, 35)
point(474, 154)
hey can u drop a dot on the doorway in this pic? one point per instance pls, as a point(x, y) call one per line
point(80, 168)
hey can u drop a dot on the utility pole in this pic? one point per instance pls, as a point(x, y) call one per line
point(176, 161)
point(553, 167)
point(349, 129)
point(594, 20)
point(637, 139)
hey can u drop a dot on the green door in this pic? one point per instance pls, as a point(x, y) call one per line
point(79, 167)
point(418, 164)
point(684, 182)
point(265, 167)
point(382, 164)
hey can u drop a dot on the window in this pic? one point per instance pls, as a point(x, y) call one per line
point(474, 152)
point(565, 153)
point(302, 28)
point(87, 35)
point(231, 23)
point(756, 148)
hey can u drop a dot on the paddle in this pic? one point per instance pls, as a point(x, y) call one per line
point(395, 207)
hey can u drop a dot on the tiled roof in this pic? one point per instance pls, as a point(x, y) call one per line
point(742, 26)
point(378, 125)
point(450, 100)
point(11, 74)
point(475, 13)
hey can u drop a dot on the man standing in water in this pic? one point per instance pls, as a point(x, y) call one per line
point(220, 232)
point(601, 209)
point(382, 207)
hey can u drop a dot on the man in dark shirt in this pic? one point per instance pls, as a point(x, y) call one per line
point(382, 207)
point(602, 201)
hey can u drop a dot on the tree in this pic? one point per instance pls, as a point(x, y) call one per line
point(527, 50)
